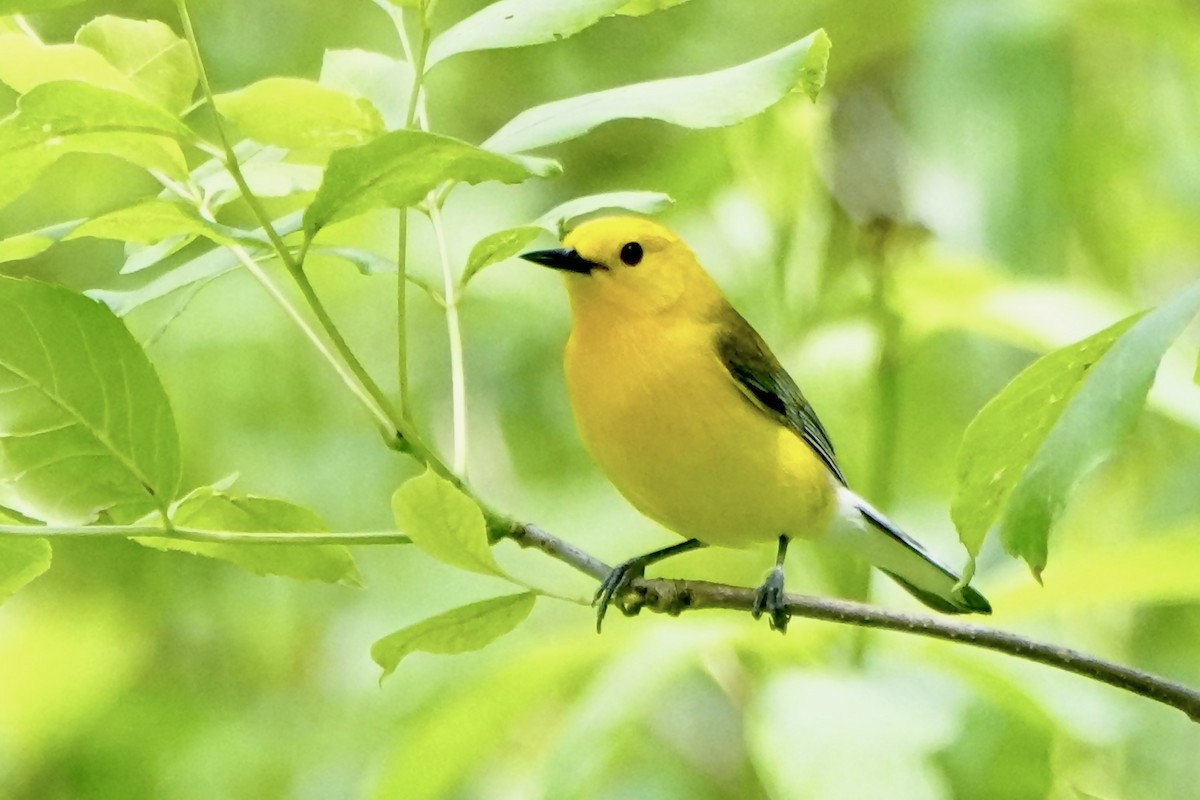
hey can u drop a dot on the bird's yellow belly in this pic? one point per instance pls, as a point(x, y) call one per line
point(670, 428)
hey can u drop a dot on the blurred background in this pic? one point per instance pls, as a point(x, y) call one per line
point(979, 183)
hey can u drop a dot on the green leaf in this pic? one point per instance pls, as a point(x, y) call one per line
point(149, 223)
point(516, 23)
point(710, 100)
point(993, 456)
point(200, 269)
point(400, 168)
point(459, 630)
point(149, 54)
point(640, 8)
point(68, 116)
point(383, 81)
point(211, 509)
point(85, 426)
point(445, 523)
point(497, 247)
point(33, 6)
point(26, 63)
point(28, 245)
point(560, 218)
point(21, 171)
point(300, 114)
point(21, 560)
point(1054, 422)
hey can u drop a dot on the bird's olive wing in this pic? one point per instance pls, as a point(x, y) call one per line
point(766, 383)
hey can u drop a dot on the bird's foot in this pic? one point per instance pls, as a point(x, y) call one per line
point(769, 598)
point(615, 586)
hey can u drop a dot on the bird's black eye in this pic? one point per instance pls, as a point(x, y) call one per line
point(631, 253)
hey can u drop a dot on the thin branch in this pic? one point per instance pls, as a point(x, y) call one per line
point(199, 535)
point(675, 596)
point(458, 376)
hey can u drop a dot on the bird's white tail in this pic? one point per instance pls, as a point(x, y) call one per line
point(870, 535)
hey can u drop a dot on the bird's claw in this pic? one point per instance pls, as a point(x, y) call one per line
point(614, 586)
point(769, 598)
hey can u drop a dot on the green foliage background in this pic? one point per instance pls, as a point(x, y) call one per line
point(1049, 150)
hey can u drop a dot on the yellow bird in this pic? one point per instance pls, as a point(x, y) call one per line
point(695, 422)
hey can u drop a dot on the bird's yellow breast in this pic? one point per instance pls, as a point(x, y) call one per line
point(670, 428)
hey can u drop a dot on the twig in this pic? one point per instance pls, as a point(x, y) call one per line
point(675, 596)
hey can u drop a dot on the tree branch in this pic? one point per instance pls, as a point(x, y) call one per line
point(675, 596)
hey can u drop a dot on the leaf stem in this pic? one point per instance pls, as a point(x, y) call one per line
point(399, 429)
point(417, 61)
point(458, 378)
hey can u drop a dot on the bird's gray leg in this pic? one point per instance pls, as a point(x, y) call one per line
point(769, 596)
point(625, 573)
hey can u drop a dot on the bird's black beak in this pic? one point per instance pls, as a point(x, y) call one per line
point(564, 258)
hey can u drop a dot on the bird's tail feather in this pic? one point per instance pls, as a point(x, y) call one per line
point(873, 537)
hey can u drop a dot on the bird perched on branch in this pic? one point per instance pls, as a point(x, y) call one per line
point(695, 422)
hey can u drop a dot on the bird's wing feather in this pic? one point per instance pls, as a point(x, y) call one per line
point(766, 383)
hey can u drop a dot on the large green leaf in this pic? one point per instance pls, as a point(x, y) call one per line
point(150, 222)
point(85, 426)
point(1054, 422)
point(62, 117)
point(21, 560)
point(711, 100)
point(384, 81)
point(445, 523)
point(26, 63)
point(459, 630)
point(300, 114)
point(211, 509)
point(516, 23)
point(149, 54)
point(400, 168)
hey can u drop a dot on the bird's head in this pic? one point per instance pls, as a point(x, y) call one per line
point(626, 266)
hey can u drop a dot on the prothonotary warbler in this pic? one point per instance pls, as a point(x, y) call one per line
point(695, 422)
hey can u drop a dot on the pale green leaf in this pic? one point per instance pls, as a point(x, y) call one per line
point(1100, 414)
point(198, 270)
point(561, 218)
point(444, 523)
point(71, 108)
point(1006, 434)
point(516, 23)
point(459, 630)
point(21, 170)
point(28, 245)
point(300, 114)
point(1056, 420)
point(26, 63)
point(497, 247)
point(214, 510)
point(22, 559)
point(399, 169)
point(149, 54)
point(384, 81)
point(640, 8)
point(148, 223)
point(710, 100)
point(23, 246)
point(365, 261)
point(85, 426)
point(68, 116)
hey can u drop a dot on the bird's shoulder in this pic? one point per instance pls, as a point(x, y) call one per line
point(766, 384)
